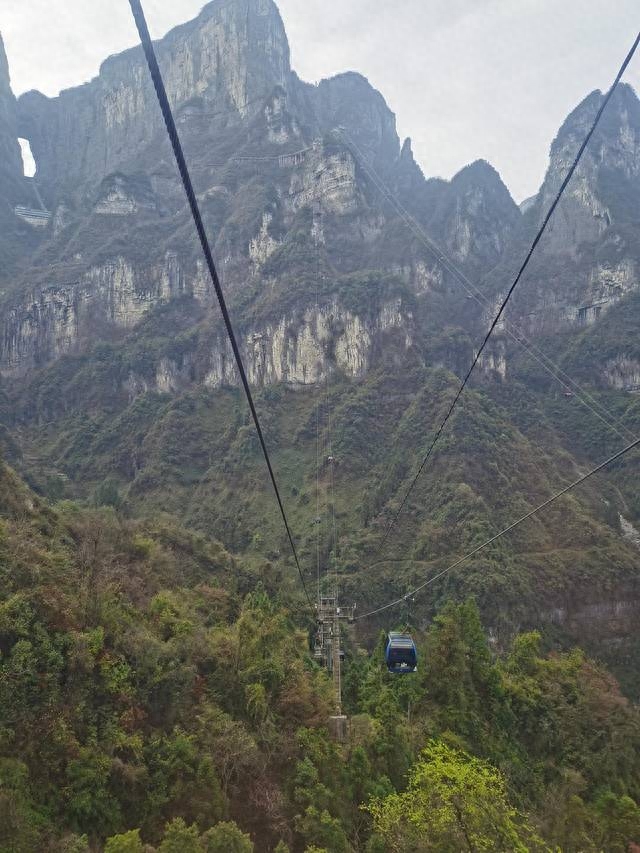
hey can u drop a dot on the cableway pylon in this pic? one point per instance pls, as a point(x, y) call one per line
point(328, 652)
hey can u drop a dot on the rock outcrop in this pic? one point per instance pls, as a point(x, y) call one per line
point(11, 171)
point(58, 319)
point(475, 220)
point(589, 258)
point(349, 101)
point(290, 178)
point(304, 349)
point(224, 63)
point(301, 347)
point(605, 187)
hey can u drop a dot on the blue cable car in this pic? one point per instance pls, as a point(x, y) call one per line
point(401, 654)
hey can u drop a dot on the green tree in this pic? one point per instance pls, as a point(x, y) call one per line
point(460, 676)
point(128, 842)
point(321, 829)
point(180, 838)
point(393, 755)
point(618, 820)
point(226, 837)
point(91, 805)
point(20, 824)
point(184, 778)
point(453, 803)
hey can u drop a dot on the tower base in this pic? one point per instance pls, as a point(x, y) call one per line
point(339, 727)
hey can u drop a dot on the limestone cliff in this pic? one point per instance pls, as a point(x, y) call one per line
point(58, 319)
point(225, 62)
point(589, 257)
point(349, 101)
point(476, 219)
point(289, 178)
point(301, 347)
point(17, 239)
point(298, 350)
point(10, 159)
point(607, 180)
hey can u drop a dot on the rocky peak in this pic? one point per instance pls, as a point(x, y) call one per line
point(605, 187)
point(482, 174)
point(476, 216)
point(417, 194)
point(349, 101)
point(225, 62)
point(11, 170)
point(232, 53)
point(409, 175)
point(616, 135)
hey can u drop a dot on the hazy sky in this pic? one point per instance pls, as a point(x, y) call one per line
point(466, 78)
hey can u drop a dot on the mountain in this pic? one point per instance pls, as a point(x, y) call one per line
point(156, 685)
point(116, 364)
point(476, 219)
point(588, 258)
point(227, 60)
point(604, 191)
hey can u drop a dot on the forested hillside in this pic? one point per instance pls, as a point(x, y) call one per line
point(156, 691)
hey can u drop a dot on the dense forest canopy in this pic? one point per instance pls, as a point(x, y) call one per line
point(155, 695)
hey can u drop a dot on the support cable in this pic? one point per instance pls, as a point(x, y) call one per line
point(333, 531)
point(331, 460)
point(317, 518)
point(336, 641)
point(506, 530)
point(511, 290)
point(147, 45)
point(318, 408)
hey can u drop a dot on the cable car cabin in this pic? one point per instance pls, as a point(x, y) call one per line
point(401, 654)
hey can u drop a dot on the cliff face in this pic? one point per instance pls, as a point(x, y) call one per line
point(10, 159)
point(607, 181)
point(348, 101)
point(284, 170)
point(476, 219)
point(589, 258)
point(54, 320)
point(17, 240)
point(225, 62)
point(279, 168)
point(301, 347)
